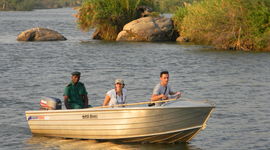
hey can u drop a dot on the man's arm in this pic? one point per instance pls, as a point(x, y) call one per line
point(66, 102)
point(156, 94)
point(84, 96)
point(174, 94)
point(177, 94)
point(156, 97)
point(85, 99)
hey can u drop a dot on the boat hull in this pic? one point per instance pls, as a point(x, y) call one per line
point(138, 124)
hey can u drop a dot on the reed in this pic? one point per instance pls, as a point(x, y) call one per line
point(227, 24)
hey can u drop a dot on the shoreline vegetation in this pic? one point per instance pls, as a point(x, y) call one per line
point(28, 5)
point(224, 24)
point(108, 17)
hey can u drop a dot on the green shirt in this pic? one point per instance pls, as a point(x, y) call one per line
point(74, 93)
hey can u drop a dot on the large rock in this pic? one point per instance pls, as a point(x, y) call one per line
point(148, 29)
point(40, 34)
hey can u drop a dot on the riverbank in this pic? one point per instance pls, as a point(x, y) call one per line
point(231, 25)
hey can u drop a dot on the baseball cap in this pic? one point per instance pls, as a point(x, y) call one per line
point(119, 81)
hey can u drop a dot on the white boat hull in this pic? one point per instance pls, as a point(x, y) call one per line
point(166, 124)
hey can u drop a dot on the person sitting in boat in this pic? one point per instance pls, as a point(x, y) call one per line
point(162, 90)
point(117, 95)
point(75, 94)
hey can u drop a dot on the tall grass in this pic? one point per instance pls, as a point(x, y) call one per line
point(170, 6)
point(227, 24)
point(108, 16)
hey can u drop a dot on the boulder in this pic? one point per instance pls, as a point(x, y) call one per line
point(40, 34)
point(182, 39)
point(148, 29)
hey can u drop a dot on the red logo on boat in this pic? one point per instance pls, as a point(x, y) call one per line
point(35, 118)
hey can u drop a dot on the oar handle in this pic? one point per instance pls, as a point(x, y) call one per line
point(139, 103)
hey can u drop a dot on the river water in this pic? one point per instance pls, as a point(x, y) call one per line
point(237, 82)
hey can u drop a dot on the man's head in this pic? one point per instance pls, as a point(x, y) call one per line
point(164, 78)
point(75, 77)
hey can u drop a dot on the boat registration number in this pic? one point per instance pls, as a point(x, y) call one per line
point(89, 116)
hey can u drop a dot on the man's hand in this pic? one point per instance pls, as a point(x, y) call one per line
point(178, 95)
point(85, 99)
point(163, 97)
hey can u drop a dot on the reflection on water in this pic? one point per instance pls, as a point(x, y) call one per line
point(44, 143)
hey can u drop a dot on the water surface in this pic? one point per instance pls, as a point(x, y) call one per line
point(237, 82)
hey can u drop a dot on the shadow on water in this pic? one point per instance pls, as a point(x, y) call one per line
point(39, 142)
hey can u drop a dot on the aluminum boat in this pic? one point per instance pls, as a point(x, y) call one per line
point(177, 121)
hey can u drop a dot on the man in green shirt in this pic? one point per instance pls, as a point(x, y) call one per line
point(75, 95)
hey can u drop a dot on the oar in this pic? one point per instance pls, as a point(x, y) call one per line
point(139, 103)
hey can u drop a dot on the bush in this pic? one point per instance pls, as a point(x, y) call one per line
point(108, 16)
point(227, 24)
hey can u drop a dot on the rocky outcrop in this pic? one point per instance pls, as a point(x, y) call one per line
point(40, 34)
point(148, 29)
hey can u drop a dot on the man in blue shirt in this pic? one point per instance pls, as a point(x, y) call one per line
point(162, 91)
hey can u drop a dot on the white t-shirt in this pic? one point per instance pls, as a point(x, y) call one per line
point(116, 99)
